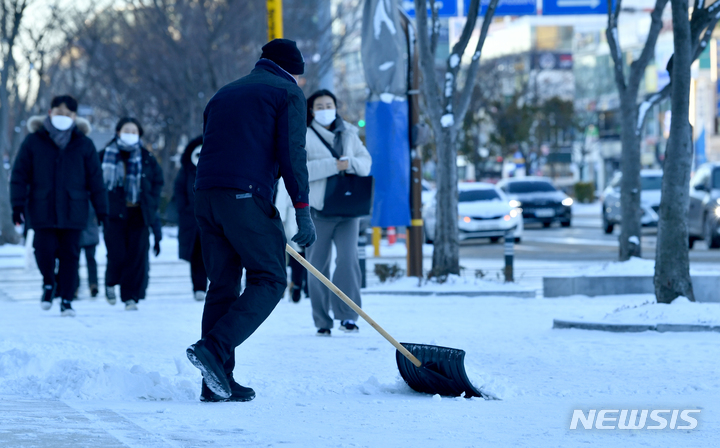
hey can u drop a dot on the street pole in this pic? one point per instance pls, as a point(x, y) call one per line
point(415, 237)
point(275, 19)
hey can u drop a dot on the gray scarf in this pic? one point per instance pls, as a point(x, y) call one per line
point(61, 138)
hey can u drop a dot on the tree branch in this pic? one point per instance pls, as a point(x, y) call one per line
point(614, 44)
point(462, 103)
point(427, 62)
point(638, 66)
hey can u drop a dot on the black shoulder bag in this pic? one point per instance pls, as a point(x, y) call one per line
point(346, 195)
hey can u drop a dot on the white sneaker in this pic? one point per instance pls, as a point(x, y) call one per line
point(200, 295)
point(110, 294)
point(131, 305)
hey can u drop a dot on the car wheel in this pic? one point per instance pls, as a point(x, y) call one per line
point(566, 223)
point(494, 239)
point(711, 237)
point(518, 240)
point(691, 242)
point(428, 240)
point(608, 227)
point(547, 224)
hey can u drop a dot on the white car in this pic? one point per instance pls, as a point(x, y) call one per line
point(484, 211)
point(650, 186)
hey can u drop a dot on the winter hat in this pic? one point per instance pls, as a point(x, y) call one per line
point(285, 53)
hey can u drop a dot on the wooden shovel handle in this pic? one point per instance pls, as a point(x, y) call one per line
point(293, 253)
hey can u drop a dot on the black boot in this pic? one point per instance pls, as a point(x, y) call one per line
point(239, 393)
point(205, 359)
point(47, 297)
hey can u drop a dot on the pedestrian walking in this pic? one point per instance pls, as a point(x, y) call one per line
point(254, 132)
point(56, 172)
point(298, 274)
point(190, 246)
point(89, 239)
point(333, 148)
point(134, 180)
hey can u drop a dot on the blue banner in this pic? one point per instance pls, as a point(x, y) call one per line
point(507, 7)
point(386, 136)
point(448, 8)
point(574, 7)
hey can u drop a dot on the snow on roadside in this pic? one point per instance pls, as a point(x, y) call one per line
point(454, 283)
point(680, 311)
point(634, 267)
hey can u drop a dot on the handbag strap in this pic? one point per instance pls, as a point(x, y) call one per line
point(327, 145)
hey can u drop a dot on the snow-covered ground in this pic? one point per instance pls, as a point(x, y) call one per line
point(454, 283)
point(634, 267)
point(115, 378)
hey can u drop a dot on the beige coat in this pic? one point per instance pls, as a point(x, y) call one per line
point(322, 164)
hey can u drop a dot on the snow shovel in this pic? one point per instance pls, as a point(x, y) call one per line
point(425, 368)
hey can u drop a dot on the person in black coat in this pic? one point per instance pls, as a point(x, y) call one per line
point(55, 173)
point(134, 181)
point(190, 246)
point(254, 132)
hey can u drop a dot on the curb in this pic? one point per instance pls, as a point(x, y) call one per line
point(633, 328)
point(521, 294)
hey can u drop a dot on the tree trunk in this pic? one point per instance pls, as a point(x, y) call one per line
point(631, 230)
point(446, 256)
point(9, 235)
point(672, 263)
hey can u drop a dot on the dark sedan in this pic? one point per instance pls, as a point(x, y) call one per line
point(704, 213)
point(539, 200)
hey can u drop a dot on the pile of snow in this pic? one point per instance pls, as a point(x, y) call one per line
point(454, 283)
point(36, 371)
point(680, 311)
point(634, 267)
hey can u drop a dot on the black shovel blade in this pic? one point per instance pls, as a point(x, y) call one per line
point(442, 371)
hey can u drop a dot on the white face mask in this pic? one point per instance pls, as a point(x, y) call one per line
point(326, 116)
point(129, 139)
point(195, 156)
point(61, 122)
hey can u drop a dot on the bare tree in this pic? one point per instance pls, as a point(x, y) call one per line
point(628, 89)
point(672, 263)
point(446, 108)
point(12, 13)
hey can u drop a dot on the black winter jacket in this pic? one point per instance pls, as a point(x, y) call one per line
point(150, 189)
point(55, 184)
point(254, 132)
point(185, 201)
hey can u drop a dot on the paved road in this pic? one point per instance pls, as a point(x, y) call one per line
point(584, 241)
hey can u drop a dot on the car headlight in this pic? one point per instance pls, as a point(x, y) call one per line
point(717, 212)
point(465, 219)
point(513, 213)
point(567, 202)
point(718, 201)
point(506, 217)
point(515, 204)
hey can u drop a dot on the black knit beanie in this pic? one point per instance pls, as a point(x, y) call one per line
point(285, 53)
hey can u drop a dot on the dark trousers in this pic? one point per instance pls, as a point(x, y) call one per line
point(64, 245)
point(197, 267)
point(91, 266)
point(128, 243)
point(298, 274)
point(239, 231)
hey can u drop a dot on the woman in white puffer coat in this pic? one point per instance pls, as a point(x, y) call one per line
point(326, 128)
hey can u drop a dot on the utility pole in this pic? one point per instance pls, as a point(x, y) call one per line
point(275, 19)
point(415, 237)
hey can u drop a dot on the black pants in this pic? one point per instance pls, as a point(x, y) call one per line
point(64, 245)
point(128, 243)
point(239, 231)
point(91, 266)
point(298, 274)
point(197, 267)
